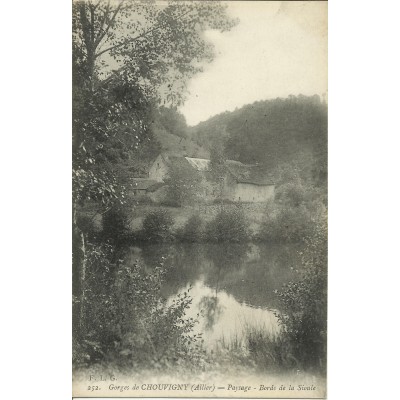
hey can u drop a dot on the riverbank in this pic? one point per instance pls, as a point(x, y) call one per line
point(254, 212)
point(241, 222)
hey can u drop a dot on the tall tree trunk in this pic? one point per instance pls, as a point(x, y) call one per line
point(78, 276)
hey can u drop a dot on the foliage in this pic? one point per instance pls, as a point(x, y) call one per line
point(145, 39)
point(227, 255)
point(301, 341)
point(211, 133)
point(143, 199)
point(116, 224)
point(218, 168)
point(297, 207)
point(128, 56)
point(272, 133)
point(192, 230)
point(291, 194)
point(90, 308)
point(157, 226)
point(168, 202)
point(287, 224)
point(125, 319)
point(269, 351)
point(85, 224)
point(229, 225)
point(303, 314)
point(171, 120)
point(217, 162)
point(184, 185)
point(88, 184)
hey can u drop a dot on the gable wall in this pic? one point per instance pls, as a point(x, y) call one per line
point(159, 170)
point(252, 193)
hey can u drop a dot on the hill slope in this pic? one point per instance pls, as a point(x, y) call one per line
point(175, 144)
point(272, 133)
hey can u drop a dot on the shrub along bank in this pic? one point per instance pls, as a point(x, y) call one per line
point(126, 322)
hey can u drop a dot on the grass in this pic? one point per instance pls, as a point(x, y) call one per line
point(259, 347)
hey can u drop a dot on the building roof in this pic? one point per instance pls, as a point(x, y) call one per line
point(242, 173)
point(200, 164)
point(177, 161)
point(249, 174)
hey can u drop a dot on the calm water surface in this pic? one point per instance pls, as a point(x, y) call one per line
point(232, 285)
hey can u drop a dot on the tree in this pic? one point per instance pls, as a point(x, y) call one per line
point(218, 167)
point(128, 56)
point(172, 121)
point(228, 226)
point(184, 185)
point(303, 314)
point(157, 226)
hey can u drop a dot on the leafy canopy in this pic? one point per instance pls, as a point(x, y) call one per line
point(128, 57)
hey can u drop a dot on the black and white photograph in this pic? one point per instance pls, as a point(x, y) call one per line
point(200, 199)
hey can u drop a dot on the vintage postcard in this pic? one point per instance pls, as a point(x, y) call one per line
point(199, 199)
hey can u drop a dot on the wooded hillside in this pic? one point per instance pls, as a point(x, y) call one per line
point(273, 133)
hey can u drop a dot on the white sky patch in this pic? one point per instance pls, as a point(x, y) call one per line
point(277, 49)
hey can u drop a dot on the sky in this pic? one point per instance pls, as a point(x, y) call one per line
point(277, 49)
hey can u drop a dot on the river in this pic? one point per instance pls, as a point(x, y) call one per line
point(233, 286)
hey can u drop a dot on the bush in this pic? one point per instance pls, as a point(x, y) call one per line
point(167, 202)
point(227, 255)
point(269, 351)
point(192, 230)
point(228, 226)
point(143, 199)
point(302, 339)
point(286, 225)
point(183, 185)
point(291, 194)
point(116, 224)
point(86, 225)
point(123, 319)
point(90, 311)
point(304, 304)
point(157, 226)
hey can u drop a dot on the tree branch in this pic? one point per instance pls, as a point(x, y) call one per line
point(100, 36)
point(95, 6)
point(121, 69)
point(105, 81)
point(92, 9)
point(85, 23)
point(139, 36)
point(116, 11)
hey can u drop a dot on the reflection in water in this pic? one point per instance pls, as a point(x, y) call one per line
point(211, 310)
point(227, 255)
point(233, 285)
point(230, 319)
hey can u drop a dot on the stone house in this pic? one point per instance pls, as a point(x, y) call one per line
point(160, 167)
point(241, 183)
point(247, 183)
